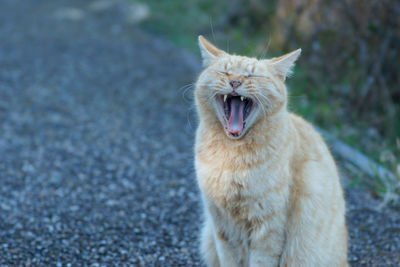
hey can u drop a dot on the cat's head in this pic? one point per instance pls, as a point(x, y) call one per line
point(239, 91)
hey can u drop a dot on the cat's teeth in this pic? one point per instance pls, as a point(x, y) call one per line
point(225, 96)
point(242, 98)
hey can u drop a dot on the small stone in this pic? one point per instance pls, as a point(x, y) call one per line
point(69, 13)
point(102, 250)
point(101, 5)
point(136, 12)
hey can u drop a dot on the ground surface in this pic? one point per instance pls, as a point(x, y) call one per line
point(96, 145)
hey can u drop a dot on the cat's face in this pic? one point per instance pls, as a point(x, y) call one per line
point(238, 90)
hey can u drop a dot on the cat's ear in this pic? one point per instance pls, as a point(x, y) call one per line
point(283, 65)
point(208, 51)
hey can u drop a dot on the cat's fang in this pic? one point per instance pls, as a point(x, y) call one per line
point(225, 96)
point(242, 98)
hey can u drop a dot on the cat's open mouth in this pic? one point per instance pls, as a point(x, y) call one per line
point(236, 109)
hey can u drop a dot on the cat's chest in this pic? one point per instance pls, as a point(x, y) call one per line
point(239, 201)
point(242, 183)
point(243, 194)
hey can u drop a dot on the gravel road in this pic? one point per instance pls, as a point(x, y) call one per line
point(96, 136)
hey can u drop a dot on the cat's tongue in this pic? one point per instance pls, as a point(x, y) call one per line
point(235, 122)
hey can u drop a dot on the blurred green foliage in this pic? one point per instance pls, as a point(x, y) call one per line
point(347, 79)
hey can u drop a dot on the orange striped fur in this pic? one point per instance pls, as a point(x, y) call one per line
point(272, 197)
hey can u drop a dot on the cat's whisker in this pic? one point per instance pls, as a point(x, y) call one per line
point(263, 96)
point(261, 105)
point(188, 119)
point(260, 95)
point(265, 49)
point(212, 96)
point(212, 29)
point(185, 89)
point(186, 86)
point(271, 90)
point(266, 99)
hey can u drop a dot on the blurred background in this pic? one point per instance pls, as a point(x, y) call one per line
point(97, 120)
point(346, 80)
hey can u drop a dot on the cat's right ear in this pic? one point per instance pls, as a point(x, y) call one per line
point(208, 51)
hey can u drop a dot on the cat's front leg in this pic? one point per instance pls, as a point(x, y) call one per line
point(208, 247)
point(315, 231)
point(216, 244)
point(266, 246)
point(227, 252)
point(311, 247)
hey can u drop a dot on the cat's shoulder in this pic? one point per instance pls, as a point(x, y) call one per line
point(305, 130)
point(300, 123)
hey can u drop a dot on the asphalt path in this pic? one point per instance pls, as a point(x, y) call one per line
point(96, 144)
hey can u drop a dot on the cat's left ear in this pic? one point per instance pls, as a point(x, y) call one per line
point(283, 65)
point(208, 51)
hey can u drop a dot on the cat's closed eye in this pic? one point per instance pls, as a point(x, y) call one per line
point(254, 76)
point(249, 75)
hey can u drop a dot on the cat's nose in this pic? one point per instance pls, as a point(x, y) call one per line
point(235, 84)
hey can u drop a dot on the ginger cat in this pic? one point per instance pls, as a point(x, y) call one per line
point(269, 185)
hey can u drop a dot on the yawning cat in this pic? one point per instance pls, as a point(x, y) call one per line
point(270, 188)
